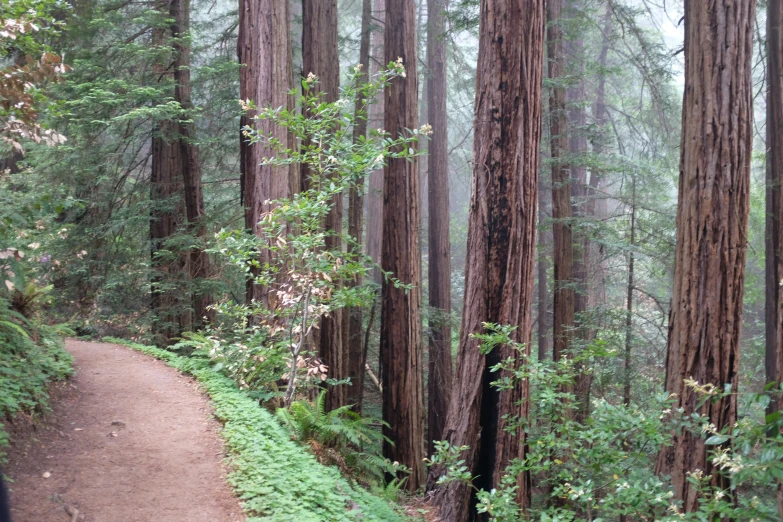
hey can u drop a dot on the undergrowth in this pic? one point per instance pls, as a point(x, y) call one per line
point(277, 480)
point(31, 356)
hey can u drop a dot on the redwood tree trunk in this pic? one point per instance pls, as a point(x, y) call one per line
point(563, 255)
point(712, 218)
point(171, 312)
point(264, 49)
point(401, 350)
point(320, 57)
point(357, 355)
point(439, 378)
point(375, 191)
point(774, 260)
point(199, 264)
point(544, 241)
point(501, 247)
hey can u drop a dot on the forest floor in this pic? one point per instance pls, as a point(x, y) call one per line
point(129, 439)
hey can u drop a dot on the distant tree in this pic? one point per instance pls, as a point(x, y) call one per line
point(400, 345)
point(439, 249)
point(563, 254)
point(712, 226)
point(501, 249)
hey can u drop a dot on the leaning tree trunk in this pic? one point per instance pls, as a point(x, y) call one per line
point(320, 57)
point(439, 274)
point(774, 232)
point(712, 219)
point(501, 249)
point(401, 350)
point(266, 76)
point(357, 355)
point(563, 254)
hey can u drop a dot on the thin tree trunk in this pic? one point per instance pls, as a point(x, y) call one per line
point(264, 50)
point(375, 192)
point(320, 57)
point(401, 350)
point(563, 321)
point(712, 220)
point(440, 366)
point(774, 232)
point(583, 209)
point(357, 355)
point(501, 249)
point(199, 263)
point(544, 240)
point(629, 302)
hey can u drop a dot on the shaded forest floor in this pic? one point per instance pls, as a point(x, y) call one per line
point(129, 439)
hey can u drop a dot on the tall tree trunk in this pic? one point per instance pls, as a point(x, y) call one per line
point(712, 219)
point(439, 274)
point(544, 240)
point(264, 49)
point(563, 321)
point(171, 313)
point(629, 302)
point(501, 248)
point(320, 57)
point(375, 192)
point(357, 355)
point(401, 350)
point(581, 208)
point(774, 232)
point(199, 263)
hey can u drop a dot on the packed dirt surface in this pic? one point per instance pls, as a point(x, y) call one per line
point(129, 440)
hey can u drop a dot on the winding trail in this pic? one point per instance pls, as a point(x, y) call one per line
point(129, 440)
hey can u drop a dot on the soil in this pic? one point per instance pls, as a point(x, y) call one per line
point(129, 439)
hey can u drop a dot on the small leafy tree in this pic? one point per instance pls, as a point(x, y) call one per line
point(304, 278)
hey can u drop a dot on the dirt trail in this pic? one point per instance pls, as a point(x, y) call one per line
point(129, 440)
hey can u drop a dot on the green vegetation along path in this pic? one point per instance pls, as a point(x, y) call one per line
point(129, 440)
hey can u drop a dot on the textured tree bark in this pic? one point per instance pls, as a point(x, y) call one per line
point(357, 355)
point(712, 219)
point(199, 264)
point(774, 174)
point(320, 57)
point(501, 248)
point(266, 76)
point(401, 350)
point(172, 313)
point(375, 191)
point(440, 366)
point(563, 255)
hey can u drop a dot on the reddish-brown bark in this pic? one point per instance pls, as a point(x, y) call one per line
point(563, 251)
point(320, 57)
point(439, 267)
point(501, 247)
point(712, 218)
point(266, 76)
point(400, 347)
point(774, 232)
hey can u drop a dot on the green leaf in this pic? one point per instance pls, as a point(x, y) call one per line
point(716, 439)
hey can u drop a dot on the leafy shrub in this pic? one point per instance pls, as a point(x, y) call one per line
point(339, 437)
point(31, 356)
